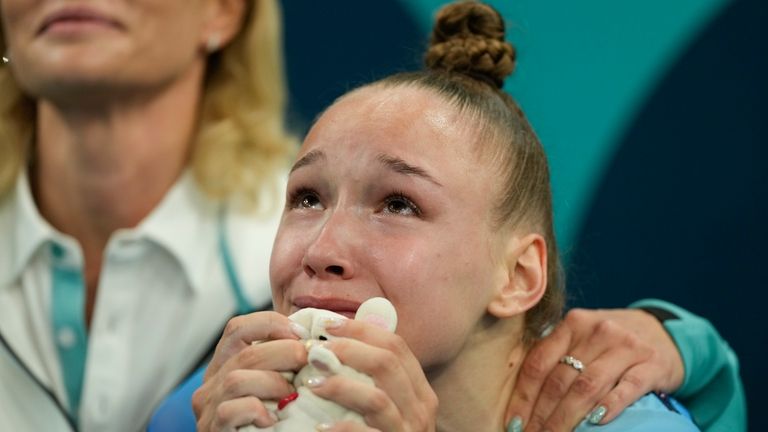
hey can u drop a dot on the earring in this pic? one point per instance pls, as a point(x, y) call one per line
point(213, 43)
point(6, 58)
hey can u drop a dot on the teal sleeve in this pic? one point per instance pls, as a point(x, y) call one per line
point(712, 389)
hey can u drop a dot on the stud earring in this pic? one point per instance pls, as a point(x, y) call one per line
point(213, 44)
point(6, 58)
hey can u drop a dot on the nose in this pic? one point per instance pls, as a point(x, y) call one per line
point(330, 255)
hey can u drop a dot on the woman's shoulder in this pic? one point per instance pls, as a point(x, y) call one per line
point(651, 413)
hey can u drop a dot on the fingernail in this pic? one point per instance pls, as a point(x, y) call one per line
point(597, 415)
point(315, 381)
point(331, 323)
point(323, 426)
point(377, 320)
point(299, 331)
point(516, 425)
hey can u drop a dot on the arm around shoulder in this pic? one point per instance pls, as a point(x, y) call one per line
point(711, 389)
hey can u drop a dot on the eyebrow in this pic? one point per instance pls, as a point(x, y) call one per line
point(400, 166)
point(308, 159)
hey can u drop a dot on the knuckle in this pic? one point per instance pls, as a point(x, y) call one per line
point(397, 346)
point(554, 387)
point(384, 364)
point(585, 386)
point(198, 400)
point(378, 401)
point(577, 317)
point(607, 329)
point(222, 413)
point(633, 342)
point(431, 402)
point(634, 382)
point(536, 422)
point(534, 367)
point(233, 326)
point(556, 421)
point(421, 420)
point(298, 354)
point(249, 357)
point(649, 352)
point(231, 383)
point(617, 397)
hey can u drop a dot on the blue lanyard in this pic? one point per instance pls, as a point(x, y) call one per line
point(243, 305)
point(68, 314)
point(69, 332)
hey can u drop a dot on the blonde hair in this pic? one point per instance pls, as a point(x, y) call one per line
point(241, 143)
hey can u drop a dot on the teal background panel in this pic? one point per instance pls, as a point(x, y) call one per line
point(584, 69)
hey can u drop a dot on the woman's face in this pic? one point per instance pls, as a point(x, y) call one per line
point(91, 45)
point(389, 199)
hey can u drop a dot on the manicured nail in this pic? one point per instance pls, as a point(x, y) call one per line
point(299, 331)
point(323, 427)
point(597, 415)
point(331, 323)
point(516, 425)
point(315, 381)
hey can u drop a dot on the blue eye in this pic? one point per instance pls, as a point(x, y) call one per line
point(304, 199)
point(401, 205)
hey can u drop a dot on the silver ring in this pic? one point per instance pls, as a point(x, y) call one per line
point(573, 362)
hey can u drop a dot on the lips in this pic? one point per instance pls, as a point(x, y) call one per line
point(73, 16)
point(341, 306)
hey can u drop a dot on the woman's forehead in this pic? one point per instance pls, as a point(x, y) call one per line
point(389, 112)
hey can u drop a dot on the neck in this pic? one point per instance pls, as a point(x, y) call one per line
point(475, 388)
point(105, 166)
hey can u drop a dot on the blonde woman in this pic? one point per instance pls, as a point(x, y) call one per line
point(140, 145)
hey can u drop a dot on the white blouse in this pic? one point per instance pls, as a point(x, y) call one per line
point(163, 299)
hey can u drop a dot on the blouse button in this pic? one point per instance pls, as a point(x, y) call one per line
point(66, 337)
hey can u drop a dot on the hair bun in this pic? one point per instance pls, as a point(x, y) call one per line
point(468, 38)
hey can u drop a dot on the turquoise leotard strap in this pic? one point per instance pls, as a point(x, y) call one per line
point(243, 305)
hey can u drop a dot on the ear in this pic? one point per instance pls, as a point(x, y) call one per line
point(224, 19)
point(526, 277)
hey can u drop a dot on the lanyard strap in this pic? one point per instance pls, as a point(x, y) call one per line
point(68, 314)
point(68, 320)
point(242, 303)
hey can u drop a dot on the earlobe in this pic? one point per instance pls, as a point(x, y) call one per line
point(224, 21)
point(526, 282)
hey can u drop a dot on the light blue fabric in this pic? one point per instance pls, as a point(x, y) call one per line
point(175, 413)
point(648, 414)
point(68, 321)
point(243, 305)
